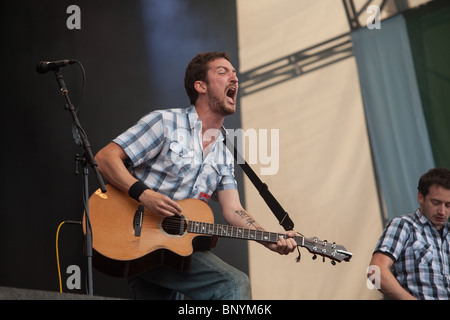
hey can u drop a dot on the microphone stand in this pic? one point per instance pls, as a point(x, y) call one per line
point(85, 160)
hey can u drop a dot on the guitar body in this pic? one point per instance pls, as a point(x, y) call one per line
point(127, 242)
point(128, 239)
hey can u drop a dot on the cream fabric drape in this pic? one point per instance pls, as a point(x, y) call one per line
point(325, 179)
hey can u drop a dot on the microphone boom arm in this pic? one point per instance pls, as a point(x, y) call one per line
point(85, 142)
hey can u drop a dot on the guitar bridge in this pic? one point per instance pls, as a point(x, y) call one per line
point(137, 220)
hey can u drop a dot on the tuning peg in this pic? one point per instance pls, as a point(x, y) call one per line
point(333, 262)
point(314, 257)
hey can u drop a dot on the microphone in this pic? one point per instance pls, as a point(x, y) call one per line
point(45, 66)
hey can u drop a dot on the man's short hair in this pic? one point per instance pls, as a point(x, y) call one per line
point(439, 176)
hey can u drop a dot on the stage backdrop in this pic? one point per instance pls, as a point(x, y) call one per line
point(325, 179)
point(404, 71)
point(355, 131)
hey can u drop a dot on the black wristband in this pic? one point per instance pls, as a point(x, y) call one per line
point(137, 189)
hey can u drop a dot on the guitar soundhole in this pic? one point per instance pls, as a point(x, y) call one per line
point(174, 225)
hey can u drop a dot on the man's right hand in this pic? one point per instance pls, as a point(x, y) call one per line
point(110, 164)
point(160, 204)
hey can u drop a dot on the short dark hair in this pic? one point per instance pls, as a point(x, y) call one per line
point(439, 176)
point(197, 70)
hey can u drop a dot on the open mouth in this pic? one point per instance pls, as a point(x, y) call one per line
point(231, 94)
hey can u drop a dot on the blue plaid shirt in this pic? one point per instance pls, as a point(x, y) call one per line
point(421, 255)
point(165, 149)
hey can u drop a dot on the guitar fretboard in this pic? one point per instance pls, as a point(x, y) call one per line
point(236, 232)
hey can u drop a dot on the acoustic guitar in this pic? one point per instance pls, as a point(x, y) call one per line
point(128, 239)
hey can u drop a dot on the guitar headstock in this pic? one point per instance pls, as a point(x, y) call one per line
point(326, 249)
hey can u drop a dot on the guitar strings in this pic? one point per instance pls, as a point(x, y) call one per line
point(175, 221)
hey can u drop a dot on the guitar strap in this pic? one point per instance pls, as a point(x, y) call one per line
point(262, 188)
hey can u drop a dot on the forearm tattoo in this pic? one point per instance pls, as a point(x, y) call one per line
point(248, 219)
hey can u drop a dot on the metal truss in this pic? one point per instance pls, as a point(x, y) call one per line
point(319, 55)
point(296, 64)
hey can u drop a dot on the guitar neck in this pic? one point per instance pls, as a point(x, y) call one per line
point(228, 231)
